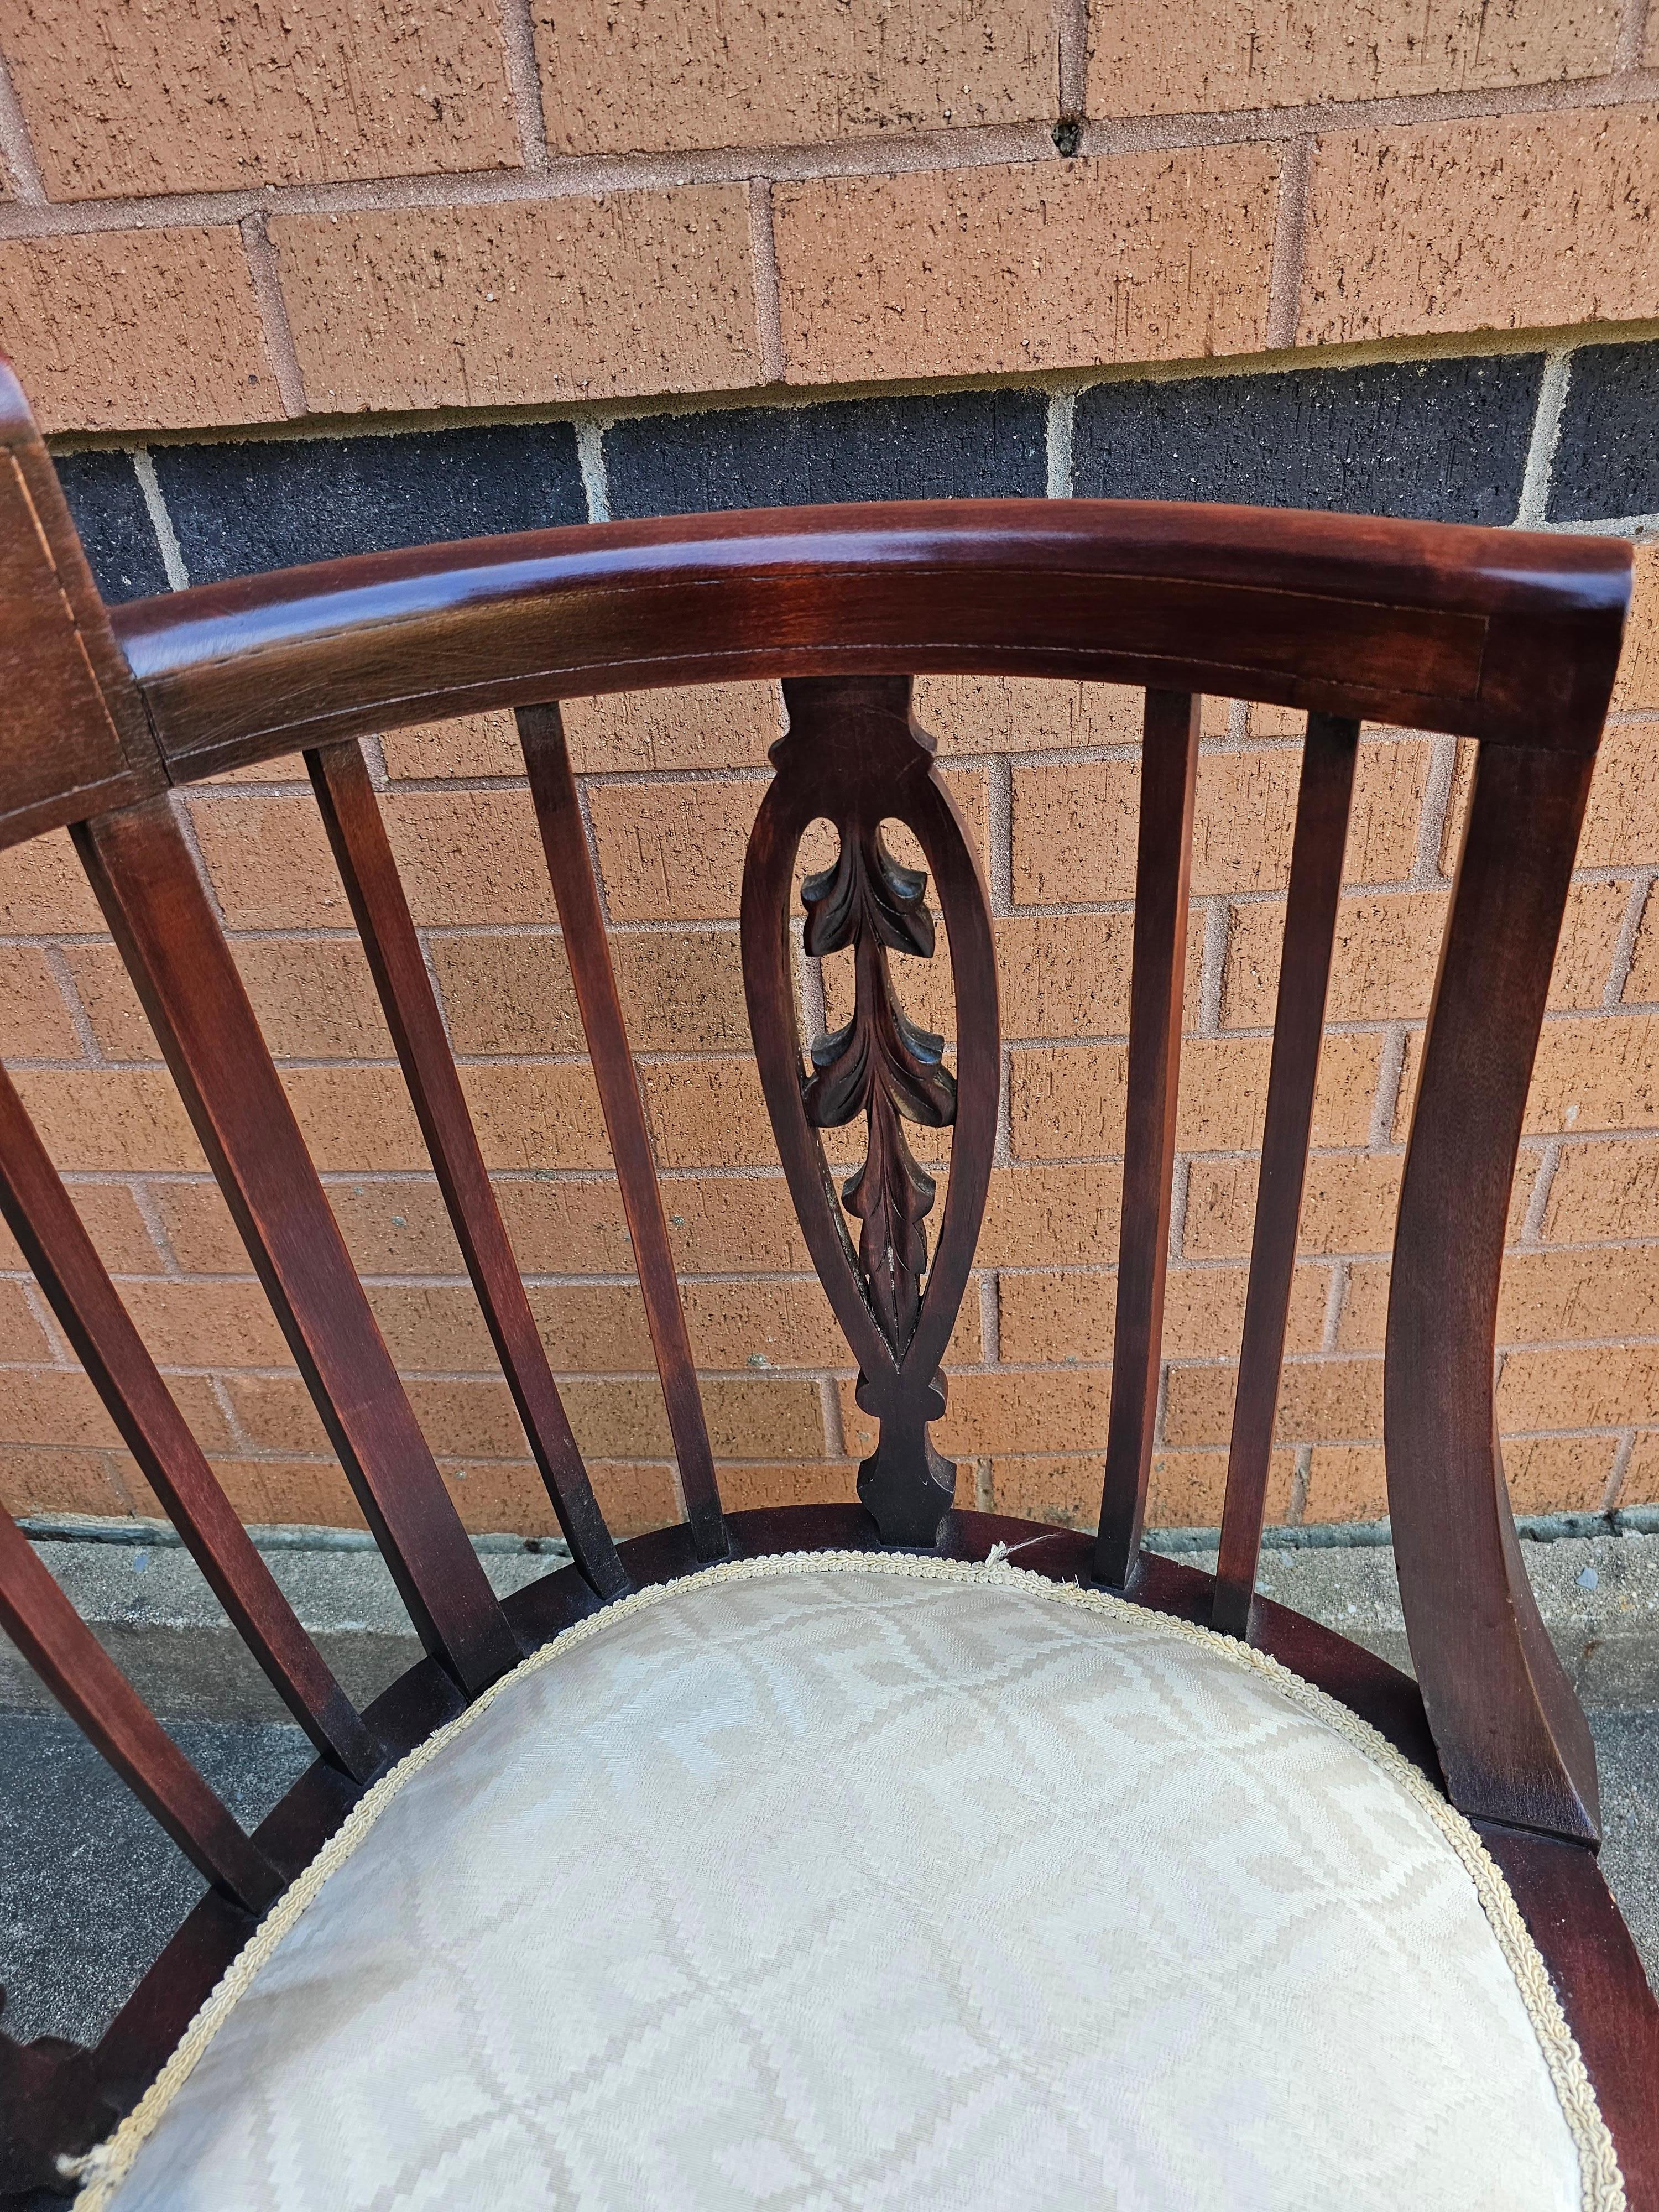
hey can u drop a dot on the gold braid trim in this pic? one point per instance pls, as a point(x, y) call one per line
point(102, 2170)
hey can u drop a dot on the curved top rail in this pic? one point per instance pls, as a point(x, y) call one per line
point(1494, 634)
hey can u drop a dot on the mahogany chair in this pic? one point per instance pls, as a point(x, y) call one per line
point(950, 1655)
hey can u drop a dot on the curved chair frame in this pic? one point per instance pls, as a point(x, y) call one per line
point(1506, 638)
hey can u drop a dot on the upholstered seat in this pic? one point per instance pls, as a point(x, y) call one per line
point(853, 1881)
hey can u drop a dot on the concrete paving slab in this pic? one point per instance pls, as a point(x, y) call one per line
point(90, 1888)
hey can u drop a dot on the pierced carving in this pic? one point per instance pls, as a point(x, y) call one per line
point(881, 1064)
point(855, 755)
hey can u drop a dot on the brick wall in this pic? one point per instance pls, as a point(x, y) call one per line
point(352, 276)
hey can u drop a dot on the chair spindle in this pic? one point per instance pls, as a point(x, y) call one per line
point(97, 1696)
point(157, 907)
point(564, 841)
point(1169, 775)
point(1321, 831)
point(357, 832)
point(39, 1213)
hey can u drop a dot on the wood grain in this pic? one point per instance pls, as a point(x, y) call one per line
point(1169, 774)
point(1320, 839)
point(364, 852)
point(157, 907)
point(1512, 1736)
point(40, 1214)
point(1491, 634)
point(1506, 637)
point(855, 756)
point(570, 870)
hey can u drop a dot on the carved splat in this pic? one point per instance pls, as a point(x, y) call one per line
point(881, 1066)
point(855, 755)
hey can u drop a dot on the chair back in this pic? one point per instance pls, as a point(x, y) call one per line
point(1507, 639)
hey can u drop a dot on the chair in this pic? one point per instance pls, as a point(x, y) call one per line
point(848, 1854)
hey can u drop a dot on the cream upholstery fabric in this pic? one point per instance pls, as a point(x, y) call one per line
point(883, 1882)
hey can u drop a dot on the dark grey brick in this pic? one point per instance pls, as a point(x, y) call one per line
point(955, 445)
point(1606, 460)
point(241, 507)
point(1437, 440)
point(109, 511)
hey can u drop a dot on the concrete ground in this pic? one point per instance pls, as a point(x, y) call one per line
point(90, 1888)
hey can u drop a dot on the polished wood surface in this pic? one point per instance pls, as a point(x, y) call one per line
point(1513, 1738)
point(1321, 831)
point(40, 1215)
point(856, 756)
point(1597, 1973)
point(351, 816)
point(95, 1692)
point(1492, 634)
point(1506, 637)
point(570, 870)
point(1164, 860)
point(158, 912)
point(77, 735)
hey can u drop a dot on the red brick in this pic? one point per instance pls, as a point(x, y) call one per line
point(23, 1339)
point(694, 73)
point(708, 1113)
point(1604, 1190)
point(1137, 257)
point(1638, 666)
point(137, 330)
point(536, 1114)
point(744, 1486)
point(1557, 1475)
point(121, 100)
point(45, 1480)
point(513, 995)
point(635, 1498)
point(1012, 714)
point(1319, 1399)
point(43, 888)
point(34, 1015)
point(216, 1323)
point(1642, 983)
point(715, 1225)
point(1455, 226)
point(490, 306)
point(1553, 1296)
point(1348, 1204)
point(1345, 1482)
point(1591, 931)
point(1596, 1074)
point(1576, 1387)
point(110, 1119)
point(1621, 821)
point(1159, 59)
point(1187, 1488)
point(269, 863)
point(1008, 1410)
point(1060, 1488)
point(1045, 1216)
point(354, 1120)
point(1382, 961)
point(466, 744)
point(699, 725)
point(118, 1228)
point(1056, 1315)
point(1641, 1483)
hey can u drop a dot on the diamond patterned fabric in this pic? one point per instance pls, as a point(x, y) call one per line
point(821, 1883)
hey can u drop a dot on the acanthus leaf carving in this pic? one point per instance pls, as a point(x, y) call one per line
point(880, 1064)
